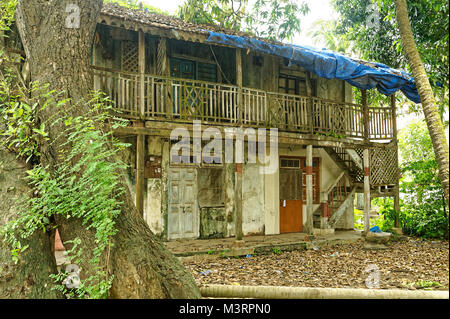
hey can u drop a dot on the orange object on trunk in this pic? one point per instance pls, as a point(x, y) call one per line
point(58, 243)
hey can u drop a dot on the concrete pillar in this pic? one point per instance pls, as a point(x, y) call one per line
point(324, 215)
point(229, 181)
point(140, 163)
point(238, 166)
point(366, 191)
point(238, 202)
point(309, 191)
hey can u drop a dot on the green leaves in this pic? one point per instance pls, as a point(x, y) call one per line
point(430, 26)
point(134, 4)
point(7, 10)
point(273, 19)
point(85, 185)
point(422, 211)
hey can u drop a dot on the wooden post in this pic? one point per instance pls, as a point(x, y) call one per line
point(394, 118)
point(310, 102)
point(394, 139)
point(309, 190)
point(142, 72)
point(365, 115)
point(397, 207)
point(240, 100)
point(238, 202)
point(366, 190)
point(238, 166)
point(140, 163)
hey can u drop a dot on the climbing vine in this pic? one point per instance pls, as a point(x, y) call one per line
point(85, 185)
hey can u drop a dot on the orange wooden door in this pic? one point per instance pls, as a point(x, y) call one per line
point(291, 219)
point(291, 216)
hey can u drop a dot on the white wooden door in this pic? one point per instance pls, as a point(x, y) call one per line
point(183, 218)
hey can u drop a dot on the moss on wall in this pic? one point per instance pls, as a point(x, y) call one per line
point(213, 222)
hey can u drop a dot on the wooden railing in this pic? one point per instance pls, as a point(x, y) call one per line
point(175, 100)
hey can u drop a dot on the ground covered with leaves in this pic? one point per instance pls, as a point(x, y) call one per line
point(411, 264)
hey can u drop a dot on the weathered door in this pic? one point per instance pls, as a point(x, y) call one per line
point(183, 218)
point(291, 219)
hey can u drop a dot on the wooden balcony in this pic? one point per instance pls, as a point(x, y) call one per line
point(184, 100)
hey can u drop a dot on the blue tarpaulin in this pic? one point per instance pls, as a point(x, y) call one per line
point(330, 65)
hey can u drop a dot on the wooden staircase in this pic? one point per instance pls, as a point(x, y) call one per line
point(350, 161)
point(340, 196)
point(341, 193)
point(351, 181)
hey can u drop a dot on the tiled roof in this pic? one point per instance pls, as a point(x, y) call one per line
point(165, 21)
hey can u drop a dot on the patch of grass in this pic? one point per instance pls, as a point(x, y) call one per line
point(427, 284)
point(358, 219)
point(276, 250)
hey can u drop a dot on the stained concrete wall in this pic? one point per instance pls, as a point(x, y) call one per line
point(261, 212)
point(252, 200)
point(272, 203)
point(153, 197)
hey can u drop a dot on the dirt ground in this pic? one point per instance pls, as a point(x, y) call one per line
point(411, 264)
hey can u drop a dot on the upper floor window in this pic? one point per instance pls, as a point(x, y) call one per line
point(195, 70)
point(294, 85)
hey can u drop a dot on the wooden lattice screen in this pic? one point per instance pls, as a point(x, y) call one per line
point(130, 56)
point(383, 166)
point(161, 58)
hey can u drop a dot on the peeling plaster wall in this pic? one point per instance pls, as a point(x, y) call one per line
point(272, 203)
point(252, 200)
point(260, 195)
point(229, 180)
point(152, 200)
point(213, 223)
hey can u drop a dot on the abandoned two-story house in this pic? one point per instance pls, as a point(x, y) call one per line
point(163, 74)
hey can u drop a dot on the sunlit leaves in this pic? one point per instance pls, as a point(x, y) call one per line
point(276, 20)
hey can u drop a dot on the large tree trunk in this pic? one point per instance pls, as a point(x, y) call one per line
point(430, 109)
point(61, 56)
point(29, 278)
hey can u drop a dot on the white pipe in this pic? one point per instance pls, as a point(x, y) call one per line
point(277, 292)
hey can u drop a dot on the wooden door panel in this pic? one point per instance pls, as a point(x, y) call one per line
point(291, 219)
point(183, 219)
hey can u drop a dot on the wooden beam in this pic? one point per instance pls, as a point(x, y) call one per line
point(142, 72)
point(140, 163)
point(366, 190)
point(164, 128)
point(309, 226)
